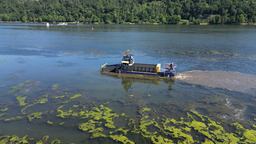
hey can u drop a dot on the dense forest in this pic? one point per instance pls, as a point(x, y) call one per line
point(130, 11)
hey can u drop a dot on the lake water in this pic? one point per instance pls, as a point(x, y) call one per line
point(216, 77)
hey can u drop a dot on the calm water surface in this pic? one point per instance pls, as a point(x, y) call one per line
point(216, 75)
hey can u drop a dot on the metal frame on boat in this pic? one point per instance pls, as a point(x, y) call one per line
point(128, 66)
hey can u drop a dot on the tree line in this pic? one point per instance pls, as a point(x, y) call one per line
point(130, 11)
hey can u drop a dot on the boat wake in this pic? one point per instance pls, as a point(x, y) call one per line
point(233, 81)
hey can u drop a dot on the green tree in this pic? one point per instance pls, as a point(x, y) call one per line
point(213, 21)
point(240, 18)
point(70, 18)
point(254, 19)
point(30, 19)
point(24, 19)
point(135, 11)
point(178, 18)
point(50, 18)
point(5, 17)
point(232, 19)
point(40, 20)
point(163, 19)
point(217, 19)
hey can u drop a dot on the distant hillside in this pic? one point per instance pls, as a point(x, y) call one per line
point(130, 11)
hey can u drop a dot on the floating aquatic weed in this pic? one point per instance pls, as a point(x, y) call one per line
point(35, 115)
point(13, 139)
point(24, 90)
point(21, 100)
point(90, 125)
point(160, 140)
point(3, 110)
point(2, 85)
point(55, 86)
point(11, 91)
point(246, 136)
point(43, 140)
point(56, 141)
point(144, 112)
point(120, 130)
point(42, 100)
point(3, 114)
point(110, 124)
point(23, 86)
point(121, 138)
point(95, 115)
point(75, 96)
point(98, 135)
point(59, 96)
point(66, 53)
point(25, 140)
point(143, 127)
point(50, 122)
point(64, 102)
point(96, 130)
point(4, 60)
point(22, 110)
point(12, 118)
point(168, 131)
point(145, 109)
point(177, 132)
point(62, 113)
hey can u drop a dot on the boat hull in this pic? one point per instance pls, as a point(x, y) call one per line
point(138, 69)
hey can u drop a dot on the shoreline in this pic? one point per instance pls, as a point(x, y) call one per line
point(97, 23)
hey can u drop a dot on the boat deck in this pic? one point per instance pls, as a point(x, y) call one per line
point(137, 69)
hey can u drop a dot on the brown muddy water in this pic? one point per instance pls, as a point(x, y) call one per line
point(233, 81)
point(51, 90)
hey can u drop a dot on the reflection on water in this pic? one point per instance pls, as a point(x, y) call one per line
point(127, 80)
point(233, 81)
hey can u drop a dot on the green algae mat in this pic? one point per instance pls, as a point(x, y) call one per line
point(103, 122)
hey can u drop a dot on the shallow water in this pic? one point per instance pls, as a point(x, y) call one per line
point(216, 75)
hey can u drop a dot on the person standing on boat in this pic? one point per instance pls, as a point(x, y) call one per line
point(131, 61)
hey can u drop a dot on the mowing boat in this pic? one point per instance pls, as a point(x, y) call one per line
point(128, 66)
